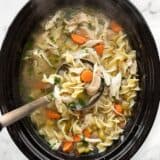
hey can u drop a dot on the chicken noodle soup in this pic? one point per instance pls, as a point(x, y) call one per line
point(93, 48)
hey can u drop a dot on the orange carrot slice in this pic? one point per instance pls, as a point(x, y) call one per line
point(118, 108)
point(53, 115)
point(77, 138)
point(41, 85)
point(87, 133)
point(115, 27)
point(78, 39)
point(86, 76)
point(67, 146)
point(99, 48)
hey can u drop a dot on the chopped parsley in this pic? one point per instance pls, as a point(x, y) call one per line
point(72, 105)
point(90, 26)
point(57, 80)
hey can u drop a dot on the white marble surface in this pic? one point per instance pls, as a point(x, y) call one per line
point(150, 9)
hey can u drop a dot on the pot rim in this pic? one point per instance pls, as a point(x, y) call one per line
point(18, 128)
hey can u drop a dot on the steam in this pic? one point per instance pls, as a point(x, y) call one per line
point(43, 7)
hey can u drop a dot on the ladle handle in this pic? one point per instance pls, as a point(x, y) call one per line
point(19, 113)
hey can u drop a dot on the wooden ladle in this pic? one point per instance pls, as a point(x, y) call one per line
point(22, 111)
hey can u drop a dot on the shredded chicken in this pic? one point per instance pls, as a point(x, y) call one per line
point(94, 86)
point(51, 78)
point(73, 23)
point(106, 76)
point(79, 18)
point(115, 85)
point(91, 43)
point(52, 21)
point(42, 54)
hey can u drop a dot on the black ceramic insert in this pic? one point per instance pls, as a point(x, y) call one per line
point(23, 132)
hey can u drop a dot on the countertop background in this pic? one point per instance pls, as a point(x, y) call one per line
point(150, 9)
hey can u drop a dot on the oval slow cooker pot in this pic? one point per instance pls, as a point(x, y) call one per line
point(23, 132)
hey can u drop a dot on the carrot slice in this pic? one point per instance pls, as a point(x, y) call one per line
point(77, 138)
point(87, 133)
point(53, 115)
point(99, 48)
point(118, 108)
point(78, 39)
point(115, 27)
point(41, 85)
point(86, 76)
point(67, 146)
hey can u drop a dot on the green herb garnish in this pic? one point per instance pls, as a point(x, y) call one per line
point(81, 102)
point(101, 21)
point(85, 143)
point(72, 105)
point(57, 80)
point(90, 26)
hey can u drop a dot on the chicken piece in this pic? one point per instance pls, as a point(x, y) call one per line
point(94, 86)
point(91, 43)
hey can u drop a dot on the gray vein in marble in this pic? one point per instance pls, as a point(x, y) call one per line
point(150, 6)
point(150, 9)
